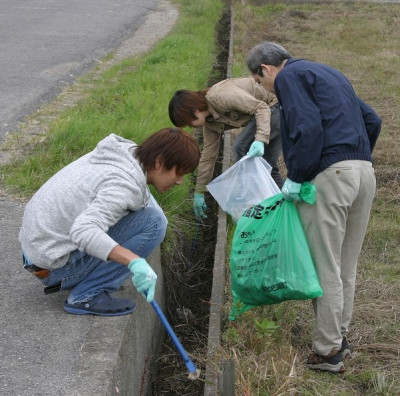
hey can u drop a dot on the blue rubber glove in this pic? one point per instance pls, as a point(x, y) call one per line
point(144, 278)
point(199, 206)
point(291, 190)
point(256, 149)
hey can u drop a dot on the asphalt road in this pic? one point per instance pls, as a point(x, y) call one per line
point(46, 44)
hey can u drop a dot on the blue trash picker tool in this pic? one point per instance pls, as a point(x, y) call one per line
point(194, 373)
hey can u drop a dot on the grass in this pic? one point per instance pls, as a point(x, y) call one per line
point(361, 40)
point(130, 99)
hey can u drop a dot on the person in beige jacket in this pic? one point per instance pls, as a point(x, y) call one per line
point(231, 103)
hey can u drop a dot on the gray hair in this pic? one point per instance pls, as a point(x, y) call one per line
point(267, 53)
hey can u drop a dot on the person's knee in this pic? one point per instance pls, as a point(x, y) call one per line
point(276, 175)
point(240, 149)
point(158, 220)
point(237, 153)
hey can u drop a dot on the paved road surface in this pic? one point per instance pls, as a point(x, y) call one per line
point(45, 44)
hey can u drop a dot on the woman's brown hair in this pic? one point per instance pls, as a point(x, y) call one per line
point(183, 104)
point(173, 147)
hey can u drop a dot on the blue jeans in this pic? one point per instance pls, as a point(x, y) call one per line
point(272, 150)
point(87, 276)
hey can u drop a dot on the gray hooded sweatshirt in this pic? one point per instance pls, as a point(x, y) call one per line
point(76, 207)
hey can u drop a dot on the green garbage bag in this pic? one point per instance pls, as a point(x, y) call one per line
point(270, 261)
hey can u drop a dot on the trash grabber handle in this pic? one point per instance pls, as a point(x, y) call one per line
point(188, 362)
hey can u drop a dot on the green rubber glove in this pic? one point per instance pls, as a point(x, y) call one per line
point(308, 193)
point(256, 149)
point(199, 206)
point(144, 278)
point(291, 190)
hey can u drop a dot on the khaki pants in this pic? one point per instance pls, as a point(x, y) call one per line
point(335, 228)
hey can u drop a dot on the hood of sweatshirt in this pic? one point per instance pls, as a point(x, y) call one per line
point(118, 152)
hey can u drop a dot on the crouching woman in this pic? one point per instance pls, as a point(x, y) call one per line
point(92, 225)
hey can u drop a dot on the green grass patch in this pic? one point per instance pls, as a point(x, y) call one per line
point(130, 99)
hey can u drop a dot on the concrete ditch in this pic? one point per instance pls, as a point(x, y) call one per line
point(219, 380)
point(200, 331)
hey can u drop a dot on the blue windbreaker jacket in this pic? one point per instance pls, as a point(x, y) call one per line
point(322, 119)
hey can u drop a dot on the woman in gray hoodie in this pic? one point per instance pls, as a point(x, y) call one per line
point(90, 226)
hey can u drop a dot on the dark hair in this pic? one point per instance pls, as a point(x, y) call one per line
point(173, 146)
point(183, 104)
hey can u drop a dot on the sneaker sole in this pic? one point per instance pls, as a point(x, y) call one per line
point(78, 311)
point(338, 368)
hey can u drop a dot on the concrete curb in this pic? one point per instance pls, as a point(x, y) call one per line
point(219, 272)
point(116, 354)
point(48, 352)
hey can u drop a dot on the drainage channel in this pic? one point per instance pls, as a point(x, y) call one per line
point(219, 376)
point(194, 276)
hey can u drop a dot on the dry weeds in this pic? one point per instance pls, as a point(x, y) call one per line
point(361, 40)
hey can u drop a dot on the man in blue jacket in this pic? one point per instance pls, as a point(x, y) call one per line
point(327, 134)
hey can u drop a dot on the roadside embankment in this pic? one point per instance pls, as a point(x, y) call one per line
point(46, 351)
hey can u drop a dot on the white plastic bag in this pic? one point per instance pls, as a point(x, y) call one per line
point(244, 184)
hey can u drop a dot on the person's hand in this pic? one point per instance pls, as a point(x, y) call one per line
point(144, 278)
point(291, 190)
point(199, 206)
point(256, 149)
